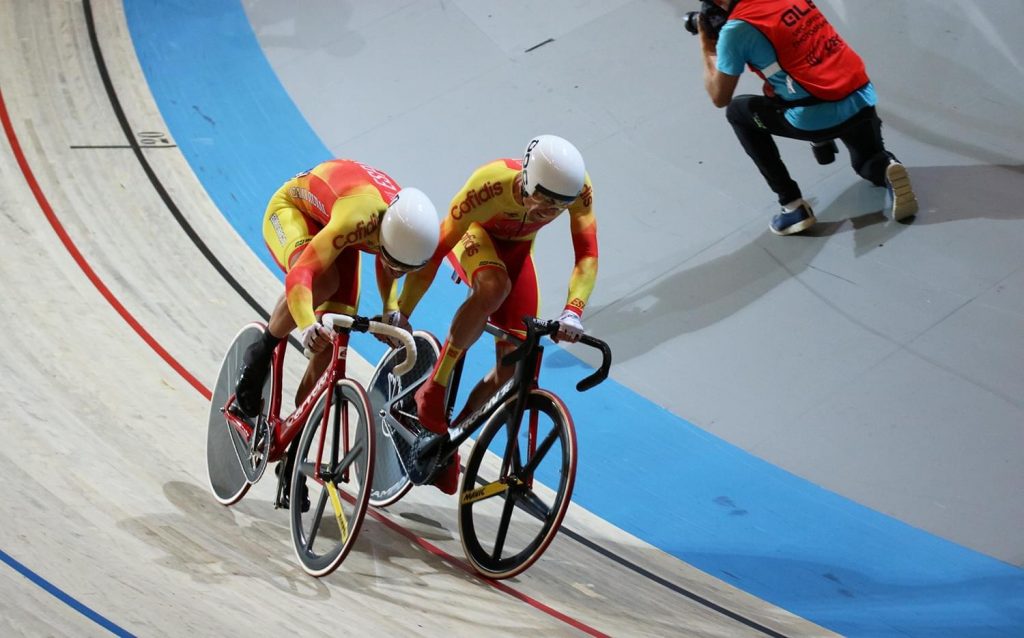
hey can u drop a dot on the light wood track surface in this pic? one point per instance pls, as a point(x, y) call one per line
point(106, 498)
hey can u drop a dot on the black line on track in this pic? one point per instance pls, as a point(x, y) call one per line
point(205, 250)
point(539, 45)
point(122, 119)
point(117, 146)
point(682, 591)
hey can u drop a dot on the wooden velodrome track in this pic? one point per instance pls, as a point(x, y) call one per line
point(121, 286)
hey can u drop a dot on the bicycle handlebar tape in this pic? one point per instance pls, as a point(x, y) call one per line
point(606, 363)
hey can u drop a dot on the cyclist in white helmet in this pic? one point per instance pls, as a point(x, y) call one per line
point(316, 226)
point(489, 231)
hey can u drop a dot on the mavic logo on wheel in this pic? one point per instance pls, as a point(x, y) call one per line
point(485, 491)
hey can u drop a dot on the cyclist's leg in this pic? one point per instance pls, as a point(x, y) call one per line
point(493, 380)
point(523, 300)
point(490, 282)
point(339, 287)
point(283, 471)
point(490, 286)
point(285, 231)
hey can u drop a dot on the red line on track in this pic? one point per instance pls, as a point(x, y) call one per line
point(76, 254)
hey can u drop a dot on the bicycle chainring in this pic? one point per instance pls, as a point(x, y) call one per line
point(419, 455)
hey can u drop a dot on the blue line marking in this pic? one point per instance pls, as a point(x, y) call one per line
point(645, 470)
point(59, 594)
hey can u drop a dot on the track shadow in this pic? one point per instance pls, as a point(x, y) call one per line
point(688, 299)
point(214, 544)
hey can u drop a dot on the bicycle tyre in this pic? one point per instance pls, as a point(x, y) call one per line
point(345, 492)
point(507, 522)
point(390, 481)
point(227, 478)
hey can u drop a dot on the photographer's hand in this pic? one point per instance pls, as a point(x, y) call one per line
point(707, 45)
point(720, 87)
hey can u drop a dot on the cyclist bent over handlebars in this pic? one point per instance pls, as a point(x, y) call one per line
point(489, 231)
point(316, 226)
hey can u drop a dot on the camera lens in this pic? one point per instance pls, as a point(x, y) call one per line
point(825, 152)
point(690, 21)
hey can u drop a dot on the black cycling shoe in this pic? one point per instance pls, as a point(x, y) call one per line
point(284, 489)
point(255, 367)
point(286, 499)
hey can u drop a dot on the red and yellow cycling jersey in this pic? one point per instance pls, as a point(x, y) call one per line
point(317, 215)
point(490, 202)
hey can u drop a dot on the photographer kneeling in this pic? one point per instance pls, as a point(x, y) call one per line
point(815, 89)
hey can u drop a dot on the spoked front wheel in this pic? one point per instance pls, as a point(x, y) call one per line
point(334, 462)
point(234, 462)
point(513, 500)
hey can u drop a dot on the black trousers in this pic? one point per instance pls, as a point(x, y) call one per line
point(756, 119)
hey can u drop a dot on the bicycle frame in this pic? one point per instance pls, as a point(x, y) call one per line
point(527, 358)
point(284, 430)
point(526, 377)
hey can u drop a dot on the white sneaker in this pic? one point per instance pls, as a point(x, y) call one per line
point(902, 201)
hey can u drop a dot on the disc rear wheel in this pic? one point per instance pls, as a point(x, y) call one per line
point(234, 461)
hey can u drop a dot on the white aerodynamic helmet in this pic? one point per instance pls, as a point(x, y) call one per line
point(553, 167)
point(410, 230)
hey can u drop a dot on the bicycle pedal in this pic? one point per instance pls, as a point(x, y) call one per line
point(419, 457)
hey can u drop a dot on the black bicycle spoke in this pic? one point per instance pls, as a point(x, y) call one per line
point(318, 516)
point(540, 442)
point(529, 502)
point(540, 453)
point(503, 525)
point(511, 463)
point(346, 462)
point(308, 469)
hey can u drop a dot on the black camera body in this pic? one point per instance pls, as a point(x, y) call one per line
point(712, 19)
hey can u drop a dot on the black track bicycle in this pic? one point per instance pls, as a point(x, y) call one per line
point(519, 475)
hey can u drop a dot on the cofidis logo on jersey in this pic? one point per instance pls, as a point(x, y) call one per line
point(364, 230)
point(476, 197)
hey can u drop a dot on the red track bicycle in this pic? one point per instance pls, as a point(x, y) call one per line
point(332, 459)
